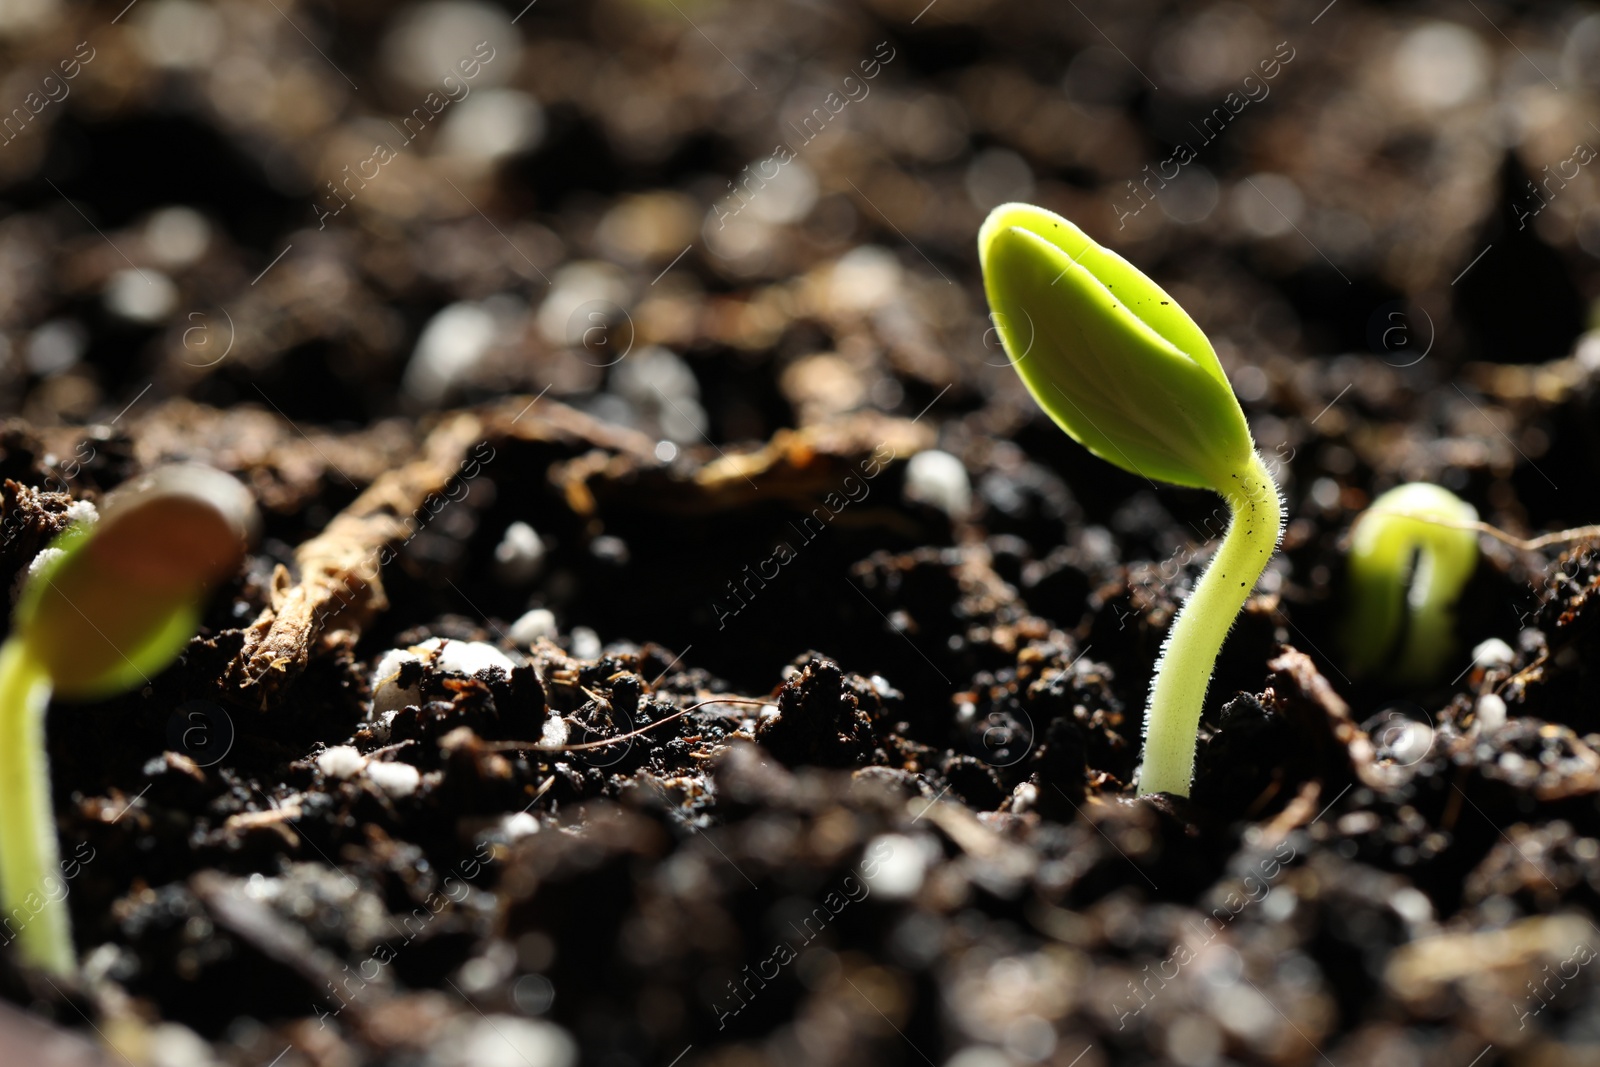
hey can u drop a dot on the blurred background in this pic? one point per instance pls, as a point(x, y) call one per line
point(314, 207)
point(284, 236)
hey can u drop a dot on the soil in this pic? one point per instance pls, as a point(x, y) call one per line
point(820, 757)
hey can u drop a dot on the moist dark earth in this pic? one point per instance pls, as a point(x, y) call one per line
point(842, 679)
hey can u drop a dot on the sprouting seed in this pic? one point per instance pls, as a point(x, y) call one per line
point(111, 608)
point(1133, 379)
point(1411, 554)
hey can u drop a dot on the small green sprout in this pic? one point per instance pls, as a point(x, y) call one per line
point(1411, 554)
point(109, 605)
point(1119, 366)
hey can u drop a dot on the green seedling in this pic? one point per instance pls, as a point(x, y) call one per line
point(1119, 366)
point(113, 604)
point(1411, 554)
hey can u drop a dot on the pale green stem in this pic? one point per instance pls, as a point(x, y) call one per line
point(30, 868)
point(1183, 672)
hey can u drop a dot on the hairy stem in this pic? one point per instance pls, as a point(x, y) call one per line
point(30, 870)
point(1190, 652)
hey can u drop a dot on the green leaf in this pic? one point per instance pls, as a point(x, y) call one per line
point(123, 597)
point(1108, 354)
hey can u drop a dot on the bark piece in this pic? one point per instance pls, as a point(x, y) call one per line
point(340, 587)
